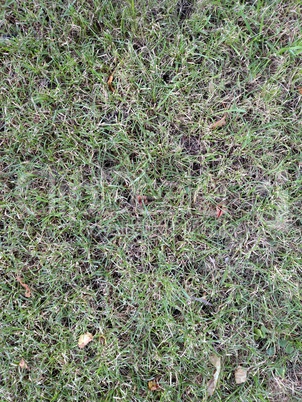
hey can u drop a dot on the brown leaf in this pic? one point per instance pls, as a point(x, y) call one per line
point(219, 211)
point(219, 123)
point(240, 375)
point(23, 364)
point(142, 199)
point(26, 287)
point(211, 386)
point(216, 361)
point(109, 82)
point(153, 385)
point(300, 90)
point(84, 340)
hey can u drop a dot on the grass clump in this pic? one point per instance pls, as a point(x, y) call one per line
point(109, 199)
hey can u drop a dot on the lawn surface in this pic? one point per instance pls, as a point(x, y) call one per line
point(123, 208)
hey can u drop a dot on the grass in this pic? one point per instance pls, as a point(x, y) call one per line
point(76, 157)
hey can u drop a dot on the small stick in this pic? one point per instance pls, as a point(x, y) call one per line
point(26, 287)
point(201, 300)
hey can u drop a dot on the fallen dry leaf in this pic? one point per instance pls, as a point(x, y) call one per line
point(84, 340)
point(240, 375)
point(219, 211)
point(142, 199)
point(153, 385)
point(219, 123)
point(23, 364)
point(109, 82)
point(300, 90)
point(26, 287)
point(216, 361)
